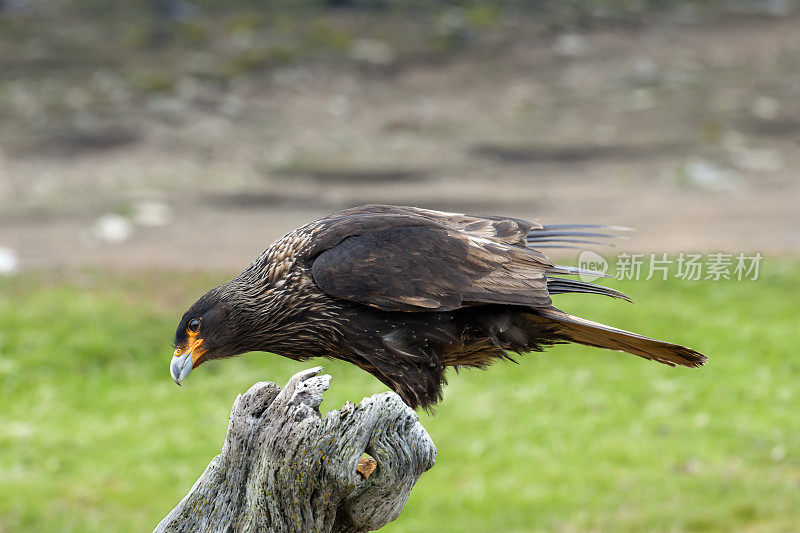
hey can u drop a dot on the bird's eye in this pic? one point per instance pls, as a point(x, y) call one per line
point(194, 325)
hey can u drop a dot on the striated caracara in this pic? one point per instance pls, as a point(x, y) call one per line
point(403, 293)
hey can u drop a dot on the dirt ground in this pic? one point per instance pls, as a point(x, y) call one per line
point(689, 132)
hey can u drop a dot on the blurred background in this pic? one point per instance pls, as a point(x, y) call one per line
point(149, 150)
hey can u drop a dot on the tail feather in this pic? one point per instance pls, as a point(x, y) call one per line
point(570, 235)
point(575, 329)
point(566, 285)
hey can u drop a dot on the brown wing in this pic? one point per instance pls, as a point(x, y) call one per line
point(495, 228)
point(408, 262)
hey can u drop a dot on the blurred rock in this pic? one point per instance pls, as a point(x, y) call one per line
point(9, 261)
point(231, 106)
point(765, 108)
point(758, 159)
point(167, 108)
point(151, 214)
point(570, 45)
point(452, 26)
point(708, 175)
point(751, 159)
point(372, 52)
point(778, 453)
point(701, 420)
point(112, 228)
point(644, 71)
point(690, 467)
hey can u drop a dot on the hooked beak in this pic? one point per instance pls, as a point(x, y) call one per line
point(181, 366)
point(184, 361)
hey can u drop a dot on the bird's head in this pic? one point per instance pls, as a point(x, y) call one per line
point(208, 330)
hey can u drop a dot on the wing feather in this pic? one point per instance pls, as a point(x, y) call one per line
point(414, 265)
point(400, 258)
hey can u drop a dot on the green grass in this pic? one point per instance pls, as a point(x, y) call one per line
point(94, 435)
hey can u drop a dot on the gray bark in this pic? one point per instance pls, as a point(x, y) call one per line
point(284, 468)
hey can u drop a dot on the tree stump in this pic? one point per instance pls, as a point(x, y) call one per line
point(284, 468)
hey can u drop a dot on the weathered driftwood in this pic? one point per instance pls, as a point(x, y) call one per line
point(284, 468)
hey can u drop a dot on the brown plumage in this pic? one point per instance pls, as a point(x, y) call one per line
point(403, 293)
